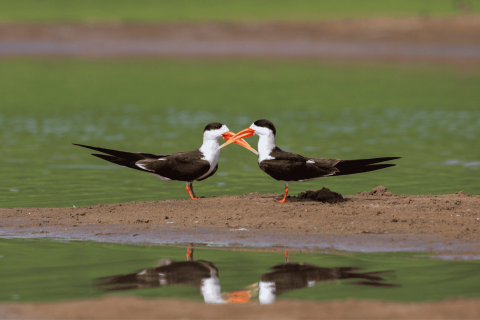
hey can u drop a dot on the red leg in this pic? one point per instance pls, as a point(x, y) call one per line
point(286, 192)
point(189, 253)
point(190, 192)
point(191, 189)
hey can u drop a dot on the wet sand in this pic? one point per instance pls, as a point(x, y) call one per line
point(131, 307)
point(370, 221)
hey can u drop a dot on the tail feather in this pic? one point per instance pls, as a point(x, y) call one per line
point(346, 167)
point(126, 159)
point(119, 154)
point(122, 162)
point(366, 162)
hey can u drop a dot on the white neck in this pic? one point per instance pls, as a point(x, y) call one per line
point(211, 150)
point(211, 290)
point(266, 292)
point(266, 143)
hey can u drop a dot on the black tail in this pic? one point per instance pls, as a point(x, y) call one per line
point(118, 154)
point(362, 165)
point(126, 159)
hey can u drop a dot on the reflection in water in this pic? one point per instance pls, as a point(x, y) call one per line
point(204, 275)
point(292, 276)
point(201, 274)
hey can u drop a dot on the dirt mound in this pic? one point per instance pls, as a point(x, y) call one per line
point(462, 194)
point(322, 195)
point(378, 191)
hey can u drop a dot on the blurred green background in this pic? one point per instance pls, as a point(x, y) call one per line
point(426, 113)
point(219, 10)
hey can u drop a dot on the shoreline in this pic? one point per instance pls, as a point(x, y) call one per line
point(454, 39)
point(371, 221)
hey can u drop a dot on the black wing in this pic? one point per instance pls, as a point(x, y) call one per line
point(182, 166)
point(294, 170)
point(185, 166)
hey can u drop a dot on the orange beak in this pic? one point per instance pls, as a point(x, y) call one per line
point(245, 133)
point(229, 135)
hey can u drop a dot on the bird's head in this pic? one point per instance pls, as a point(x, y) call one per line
point(260, 127)
point(217, 131)
point(263, 127)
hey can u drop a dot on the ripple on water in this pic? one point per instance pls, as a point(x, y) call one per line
point(416, 134)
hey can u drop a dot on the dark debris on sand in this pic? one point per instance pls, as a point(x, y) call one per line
point(322, 195)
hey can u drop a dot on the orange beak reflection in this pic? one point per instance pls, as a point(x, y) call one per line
point(245, 133)
point(238, 140)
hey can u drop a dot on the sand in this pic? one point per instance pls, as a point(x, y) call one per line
point(375, 220)
point(137, 308)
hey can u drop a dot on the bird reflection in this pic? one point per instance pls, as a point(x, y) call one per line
point(290, 276)
point(201, 274)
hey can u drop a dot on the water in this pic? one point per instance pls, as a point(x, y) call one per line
point(428, 116)
point(43, 270)
point(41, 168)
point(122, 48)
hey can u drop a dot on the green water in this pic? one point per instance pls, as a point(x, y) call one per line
point(190, 10)
point(36, 270)
point(429, 116)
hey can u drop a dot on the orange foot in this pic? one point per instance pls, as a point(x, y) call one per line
point(190, 193)
point(285, 197)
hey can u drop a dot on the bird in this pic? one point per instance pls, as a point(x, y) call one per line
point(200, 273)
point(186, 166)
point(291, 276)
point(289, 166)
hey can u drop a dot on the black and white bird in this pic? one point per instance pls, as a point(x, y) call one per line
point(200, 273)
point(289, 166)
point(291, 276)
point(186, 166)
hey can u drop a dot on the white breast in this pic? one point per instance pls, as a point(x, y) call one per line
point(211, 153)
point(266, 143)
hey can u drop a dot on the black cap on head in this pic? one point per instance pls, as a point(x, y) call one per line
point(266, 124)
point(213, 126)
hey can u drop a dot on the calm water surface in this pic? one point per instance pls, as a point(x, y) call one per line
point(41, 168)
point(42, 270)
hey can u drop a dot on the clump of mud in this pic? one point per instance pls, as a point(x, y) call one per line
point(322, 195)
point(462, 194)
point(378, 191)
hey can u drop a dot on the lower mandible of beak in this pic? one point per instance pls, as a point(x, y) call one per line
point(245, 133)
point(229, 135)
